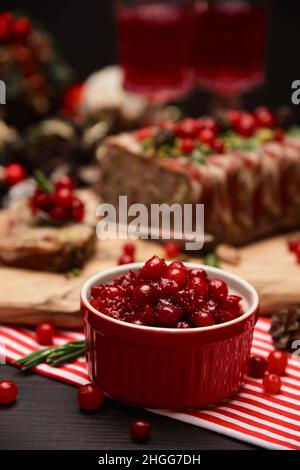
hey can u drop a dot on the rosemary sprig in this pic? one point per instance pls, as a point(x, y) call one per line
point(212, 259)
point(42, 181)
point(53, 356)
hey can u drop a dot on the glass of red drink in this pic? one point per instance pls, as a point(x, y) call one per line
point(230, 38)
point(155, 47)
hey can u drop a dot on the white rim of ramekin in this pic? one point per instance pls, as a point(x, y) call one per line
point(119, 270)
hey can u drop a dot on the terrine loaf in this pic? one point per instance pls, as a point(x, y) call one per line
point(49, 231)
point(246, 174)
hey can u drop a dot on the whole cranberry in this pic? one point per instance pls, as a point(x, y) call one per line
point(198, 285)
point(178, 273)
point(5, 27)
point(45, 334)
point(153, 269)
point(232, 304)
point(187, 146)
point(264, 117)
point(206, 136)
point(143, 134)
point(63, 197)
point(246, 125)
point(278, 135)
point(14, 173)
point(202, 318)
point(209, 124)
point(277, 362)
point(90, 397)
point(65, 182)
point(21, 28)
point(198, 273)
point(272, 383)
point(223, 316)
point(77, 209)
point(129, 249)
point(187, 129)
point(8, 392)
point(234, 116)
point(168, 125)
point(43, 201)
point(112, 292)
point(168, 314)
point(148, 316)
point(140, 431)
point(144, 294)
point(58, 213)
point(218, 289)
point(168, 287)
point(125, 259)
point(218, 145)
point(257, 367)
point(172, 250)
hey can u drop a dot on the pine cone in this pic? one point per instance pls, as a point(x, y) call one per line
point(285, 327)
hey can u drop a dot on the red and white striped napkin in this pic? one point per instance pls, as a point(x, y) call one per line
point(252, 416)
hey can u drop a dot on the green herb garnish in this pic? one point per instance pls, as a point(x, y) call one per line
point(53, 356)
point(43, 182)
point(211, 259)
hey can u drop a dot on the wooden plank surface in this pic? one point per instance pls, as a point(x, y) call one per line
point(31, 297)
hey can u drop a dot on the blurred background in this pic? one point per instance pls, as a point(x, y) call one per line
point(86, 35)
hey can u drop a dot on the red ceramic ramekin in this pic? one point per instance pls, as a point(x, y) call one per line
point(167, 367)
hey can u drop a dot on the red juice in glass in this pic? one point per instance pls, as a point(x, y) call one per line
point(155, 45)
point(229, 52)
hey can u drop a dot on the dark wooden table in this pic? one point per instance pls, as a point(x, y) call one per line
point(46, 416)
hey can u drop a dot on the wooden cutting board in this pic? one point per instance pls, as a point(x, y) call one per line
point(32, 297)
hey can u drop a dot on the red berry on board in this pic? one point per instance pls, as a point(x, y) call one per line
point(218, 289)
point(168, 125)
point(90, 397)
point(234, 116)
point(14, 173)
point(143, 134)
point(129, 249)
point(63, 197)
point(77, 209)
point(293, 244)
point(218, 145)
point(125, 259)
point(65, 182)
point(153, 269)
point(272, 383)
point(208, 123)
point(246, 125)
point(257, 367)
point(188, 129)
point(279, 135)
point(168, 314)
point(178, 273)
point(5, 26)
point(8, 392)
point(72, 98)
point(277, 362)
point(206, 136)
point(58, 213)
point(140, 431)
point(264, 118)
point(21, 27)
point(45, 334)
point(187, 146)
point(172, 250)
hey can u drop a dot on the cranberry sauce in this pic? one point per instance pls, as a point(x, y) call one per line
point(170, 296)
